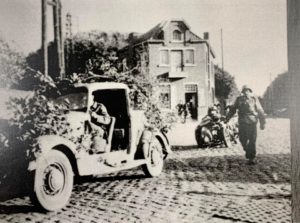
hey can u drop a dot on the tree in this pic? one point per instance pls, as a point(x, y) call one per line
point(226, 88)
point(12, 65)
point(276, 97)
point(84, 52)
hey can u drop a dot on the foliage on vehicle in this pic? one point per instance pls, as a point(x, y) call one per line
point(36, 115)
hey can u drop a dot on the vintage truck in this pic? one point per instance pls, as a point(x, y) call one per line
point(129, 143)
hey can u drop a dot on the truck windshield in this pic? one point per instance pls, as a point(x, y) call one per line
point(73, 101)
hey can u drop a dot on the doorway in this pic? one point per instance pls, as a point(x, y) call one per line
point(191, 100)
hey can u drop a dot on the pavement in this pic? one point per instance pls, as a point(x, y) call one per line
point(213, 185)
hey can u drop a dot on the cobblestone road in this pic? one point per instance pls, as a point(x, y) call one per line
point(211, 185)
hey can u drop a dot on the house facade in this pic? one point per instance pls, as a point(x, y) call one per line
point(182, 61)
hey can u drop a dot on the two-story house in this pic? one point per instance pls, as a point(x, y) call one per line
point(182, 61)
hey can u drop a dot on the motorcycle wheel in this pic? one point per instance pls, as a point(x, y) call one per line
point(199, 138)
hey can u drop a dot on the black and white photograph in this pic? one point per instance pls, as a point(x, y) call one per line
point(116, 111)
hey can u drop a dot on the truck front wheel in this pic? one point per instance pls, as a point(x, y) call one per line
point(53, 181)
point(154, 158)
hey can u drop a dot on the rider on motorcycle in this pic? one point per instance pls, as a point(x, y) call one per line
point(214, 113)
point(211, 130)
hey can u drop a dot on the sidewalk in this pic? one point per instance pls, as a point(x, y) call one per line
point(183, 134)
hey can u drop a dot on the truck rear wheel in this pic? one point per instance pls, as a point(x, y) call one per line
point(53, 181)
point(154, 159)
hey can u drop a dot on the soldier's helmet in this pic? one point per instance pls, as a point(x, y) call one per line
point(246, 87)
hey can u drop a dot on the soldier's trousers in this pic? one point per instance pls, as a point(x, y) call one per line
point(247, 136)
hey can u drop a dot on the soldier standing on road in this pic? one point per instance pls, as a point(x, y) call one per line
point(249, 112)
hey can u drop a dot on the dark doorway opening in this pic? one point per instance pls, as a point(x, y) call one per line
point(191, 100)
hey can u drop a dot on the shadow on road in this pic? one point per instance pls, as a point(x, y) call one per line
point(91, 179)
point(273, 168)
point(184, 148)
point(16, 209)
point(255, 197)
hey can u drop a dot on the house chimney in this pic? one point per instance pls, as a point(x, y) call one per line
point(206, 35)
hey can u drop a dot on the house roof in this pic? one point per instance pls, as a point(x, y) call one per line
point(153, 34)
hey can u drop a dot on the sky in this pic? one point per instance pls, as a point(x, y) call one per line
point(254, 31)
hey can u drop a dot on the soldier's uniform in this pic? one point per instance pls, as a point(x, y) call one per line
point(100, 118)
point(249, 112)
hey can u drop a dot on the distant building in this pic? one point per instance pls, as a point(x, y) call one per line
point(181, 59)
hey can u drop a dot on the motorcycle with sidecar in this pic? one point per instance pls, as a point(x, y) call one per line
point(214, 131)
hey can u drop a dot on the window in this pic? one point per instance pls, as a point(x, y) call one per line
point(164, 57)
point(177, 35)
point(191, 88)
point(73, 102)
point(165, 96)
point(73, 99)
point(189, 57)
point(177, 60)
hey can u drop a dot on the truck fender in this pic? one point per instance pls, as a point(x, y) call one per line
point(49, 142)
point(164, 142)
point(146, 139)
point(144, 143)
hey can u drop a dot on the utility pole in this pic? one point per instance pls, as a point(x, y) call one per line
point(44, 37)
point(293, 23)
point(222, 51)
point(62, 69)
point(69, 44)
point(58, 39)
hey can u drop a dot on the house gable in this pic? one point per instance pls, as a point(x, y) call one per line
point(163, 33)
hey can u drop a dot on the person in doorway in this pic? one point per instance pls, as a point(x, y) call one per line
point(190, 108)
point(250, 112)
